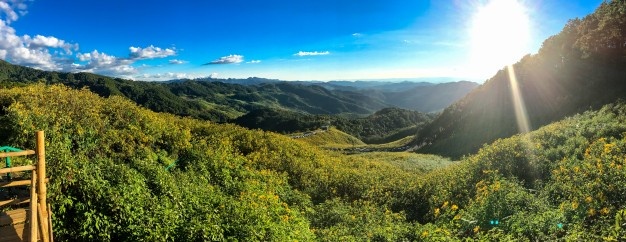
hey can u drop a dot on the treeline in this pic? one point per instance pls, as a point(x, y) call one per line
point(386, 125)
point(580, 68)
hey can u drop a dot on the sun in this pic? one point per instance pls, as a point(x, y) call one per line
point(499, 34)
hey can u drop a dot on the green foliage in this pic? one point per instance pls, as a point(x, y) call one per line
point(107, 160)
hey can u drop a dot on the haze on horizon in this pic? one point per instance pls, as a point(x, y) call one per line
point(295, 40)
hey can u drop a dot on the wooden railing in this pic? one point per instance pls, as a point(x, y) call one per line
point(33, 223)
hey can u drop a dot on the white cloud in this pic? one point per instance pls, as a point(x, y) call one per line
point(102, 63)
point(357, 35)
point(165, 76)
point(177, 62)
point(49, 42)
point(310, 53)
point(254, 62)
point(40, 52)
point(150, 52)
point(214, 75)
point(52, 53)
point(11, 15)
point(230, 59)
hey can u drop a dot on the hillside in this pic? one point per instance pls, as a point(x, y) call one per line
point(331, 138)
point(579, 69)
point(108, 159)
point(383, 126)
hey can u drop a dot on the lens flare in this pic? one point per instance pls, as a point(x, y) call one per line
point(521, 115)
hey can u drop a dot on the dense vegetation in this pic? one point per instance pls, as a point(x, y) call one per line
point(385, 125)
point(107, 160)
point(580, 68)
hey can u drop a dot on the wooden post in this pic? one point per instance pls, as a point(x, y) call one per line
point(50, 235)
point(33, 208)
point(41, 181)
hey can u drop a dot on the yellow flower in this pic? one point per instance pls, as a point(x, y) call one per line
point(588, 199)
point(476, 229)
point(457, 217)
point(436, 212)
point(591, 212)
point(425, 233)
point(604, 211)
point(454, 207)
point(574, 205)
point(445, 204)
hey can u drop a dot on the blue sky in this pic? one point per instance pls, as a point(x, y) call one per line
point(288, 40)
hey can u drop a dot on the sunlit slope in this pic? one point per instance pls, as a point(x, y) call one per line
point(108, 158)
point(412, 162)
point(563, 181)
point(329, 138)
point(581, 68)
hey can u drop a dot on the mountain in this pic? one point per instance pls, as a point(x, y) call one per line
point(383, 126)
point(430, 98)
point(215, 100)
point(581, 68)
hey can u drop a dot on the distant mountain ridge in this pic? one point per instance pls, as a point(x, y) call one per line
point(213, 99)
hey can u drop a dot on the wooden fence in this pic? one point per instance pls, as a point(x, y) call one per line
point(32, 222)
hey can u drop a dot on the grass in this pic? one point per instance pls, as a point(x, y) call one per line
point(333, 138)
point(411, 162)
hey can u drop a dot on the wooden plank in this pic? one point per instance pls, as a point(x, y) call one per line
point(18, 183)
point(16, 201)
point(33, 210)
point(17, 169)
point(15, 183)
point(17, 153)
point(16, 216)
point(13, 233)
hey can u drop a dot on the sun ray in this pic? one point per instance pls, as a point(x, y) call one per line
point(521, 115)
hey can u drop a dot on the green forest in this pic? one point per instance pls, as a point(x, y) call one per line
point(141, 161)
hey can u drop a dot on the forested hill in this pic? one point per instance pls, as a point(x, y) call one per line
point(383, 126)
point(581, 68)
point(210, 99)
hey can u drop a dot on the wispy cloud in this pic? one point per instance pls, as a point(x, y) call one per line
point(357, 35)
point(165, 76)
point(254, 62)
point(177, 62)
point(311, 53)
point(230, 59)
point(150, 52)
